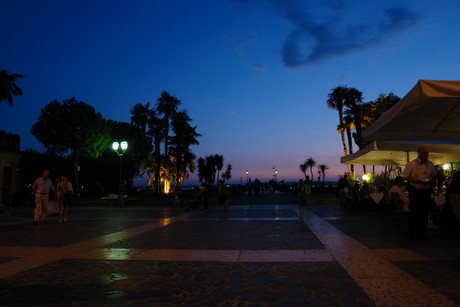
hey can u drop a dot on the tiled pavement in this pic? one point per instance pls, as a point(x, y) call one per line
point(250, 255)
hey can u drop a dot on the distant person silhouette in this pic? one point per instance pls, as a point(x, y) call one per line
point(222, 195)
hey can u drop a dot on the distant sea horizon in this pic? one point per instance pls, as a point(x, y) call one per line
point(142, 182)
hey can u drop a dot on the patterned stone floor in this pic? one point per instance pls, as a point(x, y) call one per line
point(253, 254)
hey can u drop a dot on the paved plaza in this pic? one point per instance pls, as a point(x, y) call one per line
point(264, 251)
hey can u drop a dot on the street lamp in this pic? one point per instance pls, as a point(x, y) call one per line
point(247, 176)
point(120, 149)
point(275, 173)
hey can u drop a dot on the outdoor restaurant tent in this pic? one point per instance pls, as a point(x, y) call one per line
point(399, 153)
point(429, 112)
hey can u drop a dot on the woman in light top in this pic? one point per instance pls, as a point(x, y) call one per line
point(64, 196)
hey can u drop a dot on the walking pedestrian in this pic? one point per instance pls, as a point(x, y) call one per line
point(40, 190)
point(64, 197)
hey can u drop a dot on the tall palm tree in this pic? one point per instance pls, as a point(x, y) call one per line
point(167, 106)
point(303, 168)
point(336, 101)
point(219, 160)
point(227, 175)
point(155, 131)
point(185, 137)
point(310, 163)
point(8, 87)
point(354, 104)
point(140, 117)
point(323, 168)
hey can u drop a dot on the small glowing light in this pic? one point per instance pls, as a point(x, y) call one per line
point(446, 166)
point(166, 221)
point(365, 177)
point(167, 186)
point(124, 145)
point(115, 145)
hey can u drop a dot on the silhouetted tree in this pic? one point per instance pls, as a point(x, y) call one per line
point(72, 128)
point(304, 168)
point(347, 101)
point(207, 168)
point(185, 136)
point(167, 106)
point(32, 163)
point(310, 163)
point(322, 169)
point(8, 86)
point(336, 100)
point(140, 117)
point(227, 175)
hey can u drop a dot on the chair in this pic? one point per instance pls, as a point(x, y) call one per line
point(396, 205)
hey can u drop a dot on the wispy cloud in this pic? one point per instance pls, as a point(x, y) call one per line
point(241, 44)
point(259, 67)
point(325, 29)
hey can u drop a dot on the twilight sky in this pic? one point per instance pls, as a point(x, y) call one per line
point(253, 74)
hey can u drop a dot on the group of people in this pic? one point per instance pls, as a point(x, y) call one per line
point(41, 190)
point(259, 187)
point(200, 198)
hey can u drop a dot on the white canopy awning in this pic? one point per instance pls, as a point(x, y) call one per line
point(399, 153)
point(430, 111)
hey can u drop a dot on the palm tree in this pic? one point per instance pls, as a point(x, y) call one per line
point(207, 168)
point(155, 131)
point(303, 168)
point(322, 168)
point(310, 163)
point(354, 104)
point(227, 175)
point(347, 102)
point(140, 117)
point(185, 137)
point(204, 172)
point(8, 87)
point(219, 160)
point(167, 106)
point(336, 101)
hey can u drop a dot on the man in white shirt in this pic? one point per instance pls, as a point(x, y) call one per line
point(41, 189)
point(421, 175)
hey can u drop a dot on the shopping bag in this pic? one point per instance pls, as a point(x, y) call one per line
point(53, 207)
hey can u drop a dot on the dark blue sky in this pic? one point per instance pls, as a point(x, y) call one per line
point(254, 74)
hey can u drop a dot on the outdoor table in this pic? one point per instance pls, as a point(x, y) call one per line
point(376, 197)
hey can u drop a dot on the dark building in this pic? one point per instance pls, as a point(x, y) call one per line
point(9, 157)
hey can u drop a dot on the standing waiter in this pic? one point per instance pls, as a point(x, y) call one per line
point(421, 175)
